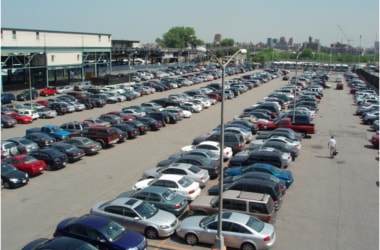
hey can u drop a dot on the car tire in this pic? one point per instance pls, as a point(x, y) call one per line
point(191, 239)
point(248, 246)
point(151, 233)
point(6, 185)
point(48, 167)
point(44, 116)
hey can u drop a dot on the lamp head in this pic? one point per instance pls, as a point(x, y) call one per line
point(243, 51)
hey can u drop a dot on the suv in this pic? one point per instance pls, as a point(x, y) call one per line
point(60, 107)
point(106, 136)
point(83, 86)
point(258, 205)
point(75, 127)
point(8, 149)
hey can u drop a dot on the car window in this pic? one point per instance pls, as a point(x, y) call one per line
point(235, 205)
point(236, 228)
point(185, 182)
point(114, 210)
point(78, 230)
point(257, 208)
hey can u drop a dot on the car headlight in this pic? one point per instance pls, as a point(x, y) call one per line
point(133, 248)
point(164, 226)
point(14, 180)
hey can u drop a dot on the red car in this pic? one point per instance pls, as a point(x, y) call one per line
point(375, 140)
point(21, 119)
point(27, 163)
point(48, 91)
point(125, 117)
point(45, 103)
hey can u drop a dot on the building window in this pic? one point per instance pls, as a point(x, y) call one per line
point(13, 34)
point(78, 57)
point(37, 35)
point(52, 58)
point(100, 38)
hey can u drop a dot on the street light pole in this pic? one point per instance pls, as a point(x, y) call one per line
point(219, 241)
point(313, 60)
point(295, 89)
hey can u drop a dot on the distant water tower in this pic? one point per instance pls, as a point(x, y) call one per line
point(217, 38)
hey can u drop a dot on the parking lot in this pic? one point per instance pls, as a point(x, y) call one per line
point(333, 203)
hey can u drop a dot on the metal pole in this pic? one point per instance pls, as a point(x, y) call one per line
point(295, 89)
point(30, 86)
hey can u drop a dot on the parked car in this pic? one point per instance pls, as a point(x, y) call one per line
point(7, 98)
point(143, 128)
point(132, 132)
point(43, 140)
point(258, 205)
point(161, 197)
point(47, 112)
point(27, 163)
point(240, 231)
point(64, 89)
point(106, 136)
point(102, 232)
point(27, 95)
point(11, 177)
point(8, 148)
point(152, 123)
point(181, 184)
point(72, 152)
point(111, 118)
point(193, 172)
point(60, 107)
point(20, 118)
point(138, 215)
point(49, 90)
point(24, 146)
point(8, 122)
point(58, 243)
point(212, 146)
point(89, 146)
point(53, 158)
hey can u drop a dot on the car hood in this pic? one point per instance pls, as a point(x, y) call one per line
point(162, 218)
point(130, 239)
point(191, 222)
point(232, 171)
point(142, 184)
point(17, 174)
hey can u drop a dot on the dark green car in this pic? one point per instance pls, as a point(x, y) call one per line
point(161, 197)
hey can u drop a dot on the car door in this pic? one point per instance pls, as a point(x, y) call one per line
point(234, 233)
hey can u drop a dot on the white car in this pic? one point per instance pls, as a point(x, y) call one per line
point(78, 106)
point(30, 112)
point(181, 184)
point(184, 113)
point(192, 107)
point(213, 146)
point(64, 89)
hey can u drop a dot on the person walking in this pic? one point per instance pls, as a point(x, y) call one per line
point(332, 146)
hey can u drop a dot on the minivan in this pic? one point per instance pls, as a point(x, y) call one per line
point(258, 186)
point(259, 205)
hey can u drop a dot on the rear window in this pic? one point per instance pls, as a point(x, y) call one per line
point(195, 169)
point(185, 182)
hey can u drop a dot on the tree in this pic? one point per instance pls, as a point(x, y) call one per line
point(227, 42)
point(179, 37)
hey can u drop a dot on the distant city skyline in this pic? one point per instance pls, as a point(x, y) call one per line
point(245, 21)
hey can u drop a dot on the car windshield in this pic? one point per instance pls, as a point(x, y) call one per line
point(28, 159)
point(7, 168)
point(146, 210)
point(185, 182)
point(206, 220)
point(255, 224)
point(87, 142)
point(169, 195)
point(112, 231)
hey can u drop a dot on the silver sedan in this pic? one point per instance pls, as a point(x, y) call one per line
point(138, 215)
point(240, 231)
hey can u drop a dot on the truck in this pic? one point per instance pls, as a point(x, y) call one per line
point(304, 129)
point(52, 130)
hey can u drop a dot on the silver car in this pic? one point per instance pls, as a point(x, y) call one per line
point(193, 172)
point(25, 146)
point(240, 231)
point(138, 215)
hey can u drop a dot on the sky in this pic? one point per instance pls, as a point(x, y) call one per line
point(242, 20)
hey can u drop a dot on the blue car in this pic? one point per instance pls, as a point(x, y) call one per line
point(101, 232)
point(7, 98)
point(53, 158)
point(262, 167)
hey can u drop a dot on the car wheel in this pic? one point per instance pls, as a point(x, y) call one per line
point(191, 239)
point(151, 233)
point(248, 246)
point(6, 185)
point(48, 167)
point(44, 116)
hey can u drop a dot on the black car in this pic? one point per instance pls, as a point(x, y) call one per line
point(269, 157)
point(60, 107)
point(131, 131)
point(87, 103)
point(249, 125)
point(95, 102)
point(12, 177)
point(7, 122)
point(142, 127)
point(153, 124)
point(123, 136)
point(72, 152)
point(111, 118)
point(53, 158)
point(24, 96)
point(43, 140)
point(163, 116)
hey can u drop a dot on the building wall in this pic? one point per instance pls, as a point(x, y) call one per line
point(61, 59)
point(36, 38)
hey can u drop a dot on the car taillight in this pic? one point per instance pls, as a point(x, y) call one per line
point(46, 142)
point(240, 146)
point(91, 147)
point(267, 238)
point(177, 205)
point(191, 191)
point(269, 218)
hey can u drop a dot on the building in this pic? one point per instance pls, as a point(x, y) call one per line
point(45, 57)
